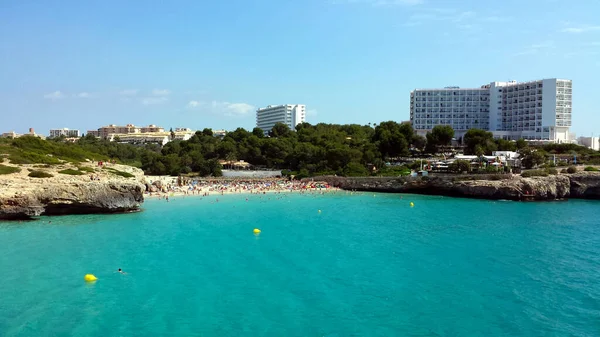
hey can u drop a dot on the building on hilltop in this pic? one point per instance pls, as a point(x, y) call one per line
point(538, 110)
point(590, 142)
point(64, 132)
point(160, 138)
point(288, 114)
point(141, 135)
point(219, 133)
point(13, 134)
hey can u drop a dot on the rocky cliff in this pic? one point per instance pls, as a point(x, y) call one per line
point(554, 187)
point(100, 191)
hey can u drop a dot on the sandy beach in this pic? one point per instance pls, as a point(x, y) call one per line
point(165, 186)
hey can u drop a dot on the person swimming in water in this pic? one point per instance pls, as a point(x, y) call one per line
point(121, 271)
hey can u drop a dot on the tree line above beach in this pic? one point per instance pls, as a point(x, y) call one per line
point(321, 149)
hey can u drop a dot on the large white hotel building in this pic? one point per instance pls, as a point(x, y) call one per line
point(288, 114)
point(536, 110)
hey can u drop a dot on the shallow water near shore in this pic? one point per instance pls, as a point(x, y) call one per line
point(366, 265)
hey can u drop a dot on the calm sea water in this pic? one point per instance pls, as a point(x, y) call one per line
point(367, 265)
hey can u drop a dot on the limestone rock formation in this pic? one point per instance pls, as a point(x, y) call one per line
point(23, 197)
point(479, 186)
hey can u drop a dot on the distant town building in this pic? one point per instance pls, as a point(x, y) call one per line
point(288, 114)
point(151, 128)
point(160, 138)
point(13, 134)
point(219, 133)
point(590, 142)
point(183, 130)
point(64, 132)
point(10, 134)
point(132, 134)
point(537, 110)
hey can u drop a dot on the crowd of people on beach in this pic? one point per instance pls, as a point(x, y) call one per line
point(206, 187)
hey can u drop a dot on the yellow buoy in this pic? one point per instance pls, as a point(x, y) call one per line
point(412, 204)
point(90, 278)
point(256, 231)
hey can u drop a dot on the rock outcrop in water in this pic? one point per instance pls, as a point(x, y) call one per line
point(554, 187)
point(24, 197)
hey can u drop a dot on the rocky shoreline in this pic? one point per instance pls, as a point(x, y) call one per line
point(584, 185)
point(24, 198)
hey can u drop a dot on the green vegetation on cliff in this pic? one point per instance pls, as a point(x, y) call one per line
point(8, 169)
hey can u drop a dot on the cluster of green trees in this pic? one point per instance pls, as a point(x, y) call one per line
point(348, 150)
point(311, 150)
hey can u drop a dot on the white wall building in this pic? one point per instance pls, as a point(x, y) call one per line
point(536, 110)
point(64, 132)
point(590, 142)
point(289, 114)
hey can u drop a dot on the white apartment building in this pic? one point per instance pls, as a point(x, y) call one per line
point(536, 110)
point(289, 114)
point(64, 132)
point(590, 142)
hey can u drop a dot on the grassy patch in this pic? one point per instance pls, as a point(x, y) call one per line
point(28, 157)
point(72, 172)
point(86, 169)
point(119, 173)
point(8, 169)
point(40, 174)
point(591, 169)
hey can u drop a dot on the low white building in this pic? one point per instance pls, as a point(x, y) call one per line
point(590, 142)
point(139, 138)
point(64, 132)
point(160, 138)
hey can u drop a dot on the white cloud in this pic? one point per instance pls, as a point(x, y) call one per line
point(153, 100)
point(129, 92)
point(232, 109)
point(161, 92)
point(54, 95)
point(222, 108)
point(83, 95)
point(580, 29)
point(194, 104)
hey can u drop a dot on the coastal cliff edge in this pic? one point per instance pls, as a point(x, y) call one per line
point(98, 190)
point(584, 185)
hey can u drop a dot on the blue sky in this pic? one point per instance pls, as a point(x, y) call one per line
point(84, 64)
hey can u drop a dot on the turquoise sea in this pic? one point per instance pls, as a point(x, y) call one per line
point(366, 265)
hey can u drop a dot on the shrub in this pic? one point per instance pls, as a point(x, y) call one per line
point(85, 169)
point(71, 172)
point(571, 169)
point(40, 174)
point(119, 173)
point(534, 173)
point(552, 171)
point(563, 171)
point(591, 169)
point(491, 169)
point(8, 169)
point(460, 166)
